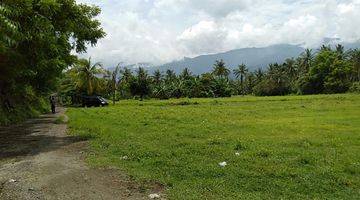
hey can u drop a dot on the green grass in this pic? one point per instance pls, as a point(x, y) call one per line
point(294, 147)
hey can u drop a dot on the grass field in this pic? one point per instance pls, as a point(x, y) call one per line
point(295, 147)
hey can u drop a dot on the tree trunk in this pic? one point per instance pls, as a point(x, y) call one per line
point(114, 94)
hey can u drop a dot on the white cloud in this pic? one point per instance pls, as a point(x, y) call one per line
point(159, 31)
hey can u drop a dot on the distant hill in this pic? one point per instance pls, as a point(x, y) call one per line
point(253, 58)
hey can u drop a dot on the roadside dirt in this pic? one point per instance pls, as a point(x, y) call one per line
point(38, 160)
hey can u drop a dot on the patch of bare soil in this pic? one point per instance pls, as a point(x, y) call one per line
point(38, 160)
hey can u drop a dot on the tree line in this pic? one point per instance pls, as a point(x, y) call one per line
point(329, 70)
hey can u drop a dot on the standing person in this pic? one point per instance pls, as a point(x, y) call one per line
point(52, 102)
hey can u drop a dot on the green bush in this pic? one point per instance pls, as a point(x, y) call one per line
point(269, 87)
point(26, 105)
point(355, 87)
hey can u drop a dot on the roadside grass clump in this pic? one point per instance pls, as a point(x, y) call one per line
point(293, 147)
point(60, 120)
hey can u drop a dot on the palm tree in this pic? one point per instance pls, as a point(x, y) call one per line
point(290, 67)
point(340, 50)
point(114, 77)
point(126, 74)
point(157, 76)
point(241, 72)
point(355, 58)
point(306, 60)
point(220, 69)
point(86, 74)
point(170, 75)
point(276, 72)
point(259, 74)
point(325, 48)
point(141, 85)
point(186, 74)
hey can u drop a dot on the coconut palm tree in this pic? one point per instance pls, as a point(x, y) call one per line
point(306, 60)
point(220, 69)
point(170, 75)
point(259, 75)
point(355, 58)
point(290, 66)
point(185, 74)
point(141, 84)
point(126, 75)
point(157, 77)
point(114, 81)
point(86, 73)
point(241, 72)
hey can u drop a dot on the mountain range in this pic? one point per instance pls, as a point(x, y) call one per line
point(253, 58)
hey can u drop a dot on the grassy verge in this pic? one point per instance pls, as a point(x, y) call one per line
point(300, 147)
point(23, 111)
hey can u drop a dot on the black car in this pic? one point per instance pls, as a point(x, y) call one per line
point(96, 101)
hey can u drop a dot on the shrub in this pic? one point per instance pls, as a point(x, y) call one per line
point(355, 87)
point(269, 87)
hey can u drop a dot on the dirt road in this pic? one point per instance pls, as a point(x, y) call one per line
point(39, 161)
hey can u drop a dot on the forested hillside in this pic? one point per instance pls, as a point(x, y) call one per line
point(36, 41)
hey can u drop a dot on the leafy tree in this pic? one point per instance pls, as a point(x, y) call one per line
point(328, 75)
point(355, 60)
point(36, 42)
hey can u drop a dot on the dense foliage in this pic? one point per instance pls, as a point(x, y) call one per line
point(325, 71)
point(36, 41)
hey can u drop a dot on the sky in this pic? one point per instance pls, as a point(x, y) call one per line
point(160, 31)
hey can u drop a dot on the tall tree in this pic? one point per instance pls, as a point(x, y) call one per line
point(355, 60)
point(220, 69)
point(259, 75)
point(241, 72)
point(170, 75)
point(37, 39)
point(291, 68)
point(185, 74)
point(306, 61)
point(157, 77)
point(114, 81)
point(340, 50)
point(126, 74)
point(86, 74)
point(141, 84)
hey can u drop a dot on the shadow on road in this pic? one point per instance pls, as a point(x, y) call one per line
point(33, 137)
